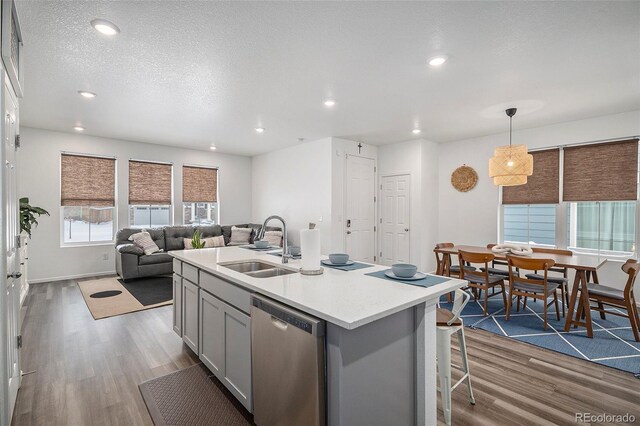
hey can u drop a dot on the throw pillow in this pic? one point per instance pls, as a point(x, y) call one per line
point(240, 236)
point(209, 242)
point(145, 242)
point(274, 238)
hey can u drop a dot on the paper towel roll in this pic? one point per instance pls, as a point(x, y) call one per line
point(310, 249)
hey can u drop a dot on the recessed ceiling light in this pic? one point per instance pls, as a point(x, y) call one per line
point(212, 148)
point(78, 128)
point(416, 131)
point(436, 61)
point(329, 103)
point(105, 27)
point(86, 94)
point(260, 129)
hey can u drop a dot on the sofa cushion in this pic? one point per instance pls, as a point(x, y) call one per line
point(226, 233)
point(209, 242)
point(274, 238)
point(240, 236)
point(174, 236)
point(145, 242)
point(210, 231)
point(155, 258)
point(130, 248)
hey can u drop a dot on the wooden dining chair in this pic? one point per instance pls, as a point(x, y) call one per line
point(562, 281)
point(443, 261)
point(535, 288)
point(615, 298)
point(481, 280)
point(497, 271)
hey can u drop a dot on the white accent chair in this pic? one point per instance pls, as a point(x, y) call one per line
point(448, 323)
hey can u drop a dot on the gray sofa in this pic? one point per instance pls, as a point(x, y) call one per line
point(131, 262)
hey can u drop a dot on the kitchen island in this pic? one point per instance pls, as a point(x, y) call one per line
point(380, 334)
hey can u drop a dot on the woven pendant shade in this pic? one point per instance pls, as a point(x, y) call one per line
point(510, 165)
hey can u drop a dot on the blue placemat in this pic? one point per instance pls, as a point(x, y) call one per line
point(270, 248)
point(353, 267)
point(425, 282)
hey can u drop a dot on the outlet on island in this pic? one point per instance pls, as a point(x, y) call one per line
point(105, 256)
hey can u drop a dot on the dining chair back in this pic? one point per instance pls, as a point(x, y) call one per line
point(482, 279)
point(625, 298)
point(527, 286)
point(563, 281)
point(443, 260)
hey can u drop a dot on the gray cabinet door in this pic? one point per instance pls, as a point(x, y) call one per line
point(237, 354)
point(212, 333)
point(177, 304)
point(190, 302)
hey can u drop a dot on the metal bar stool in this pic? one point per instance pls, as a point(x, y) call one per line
point(448, 323)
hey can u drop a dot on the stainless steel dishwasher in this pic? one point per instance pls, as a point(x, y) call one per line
point(287, 355)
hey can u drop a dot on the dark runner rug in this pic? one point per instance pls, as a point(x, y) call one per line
point(192, 396)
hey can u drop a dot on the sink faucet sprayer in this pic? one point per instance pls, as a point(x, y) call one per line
point(285, 254)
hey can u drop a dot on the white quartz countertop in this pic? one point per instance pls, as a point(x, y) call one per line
point(348, 299)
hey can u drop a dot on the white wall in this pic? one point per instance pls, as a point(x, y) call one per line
point(39, 179)
point(295, 183)
point(419, 159)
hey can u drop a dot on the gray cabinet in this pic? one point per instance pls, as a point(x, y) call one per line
point(212, 333)
point(177, 304)
point(225, 345)
point(190, 302)
point(237, 355)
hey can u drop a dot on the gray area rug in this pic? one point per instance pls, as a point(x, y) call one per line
point(192, 396)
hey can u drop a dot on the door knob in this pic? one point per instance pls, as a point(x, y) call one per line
point(406, 229)
point(14, 275)
point(348, 232)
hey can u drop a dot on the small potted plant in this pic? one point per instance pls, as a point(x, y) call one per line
point(196, 240)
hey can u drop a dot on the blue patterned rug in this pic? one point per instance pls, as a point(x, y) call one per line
point(612, 344)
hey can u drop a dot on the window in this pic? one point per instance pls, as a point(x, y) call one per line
point(200, 213)
point(200, 195)
point(530, 224)
point(87, 200)
point(597, 211)
point(150, 194)
point(605, 227)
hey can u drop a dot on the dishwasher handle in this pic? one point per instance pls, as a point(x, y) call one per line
point(288, 316)
point(279, 323)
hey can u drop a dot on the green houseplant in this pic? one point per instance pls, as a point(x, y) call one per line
point(196, 240)
point(29, 215)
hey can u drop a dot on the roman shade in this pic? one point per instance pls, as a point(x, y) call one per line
point(543, 186)
point(601, 172)
point(149, 183)
point(199, 184)
point(87, 181)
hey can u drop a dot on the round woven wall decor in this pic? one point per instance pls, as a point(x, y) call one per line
point(464, 178)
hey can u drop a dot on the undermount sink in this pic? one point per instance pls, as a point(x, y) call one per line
point(257, 269)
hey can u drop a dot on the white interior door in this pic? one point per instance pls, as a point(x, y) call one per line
point(395, 219)
point(360, 208)
point(11, 230)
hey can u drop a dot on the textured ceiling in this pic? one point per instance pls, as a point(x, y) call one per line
point(191, 74)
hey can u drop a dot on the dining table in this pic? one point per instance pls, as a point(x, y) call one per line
point(585, 267)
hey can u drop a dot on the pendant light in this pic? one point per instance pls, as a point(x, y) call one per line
point(511, 164)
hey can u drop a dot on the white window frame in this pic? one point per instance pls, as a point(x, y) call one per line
point(114, 229)
point(131, 225)
point(209, 215)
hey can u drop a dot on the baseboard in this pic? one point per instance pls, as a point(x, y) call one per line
point(71, 277)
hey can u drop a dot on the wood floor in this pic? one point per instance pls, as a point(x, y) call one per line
point(85, 372)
